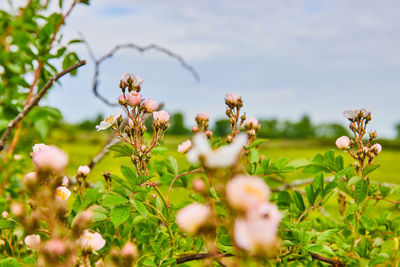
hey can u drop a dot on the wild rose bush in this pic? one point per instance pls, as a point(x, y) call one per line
point(230, 207)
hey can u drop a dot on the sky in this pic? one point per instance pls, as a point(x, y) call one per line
point(285, 58)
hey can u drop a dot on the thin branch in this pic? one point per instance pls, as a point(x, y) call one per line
point(138, 48)
point(177, 177)
point(200, 256)
point(335, 263)
point(104, 151)
point(34, 101)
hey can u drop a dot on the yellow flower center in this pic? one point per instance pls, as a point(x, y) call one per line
point(60, 193)
point(251, 190)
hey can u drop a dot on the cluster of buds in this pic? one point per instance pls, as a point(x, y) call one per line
point(234, 103)
point(203, 121)
point(359, 149)
point(251, 126)
point(132, 129)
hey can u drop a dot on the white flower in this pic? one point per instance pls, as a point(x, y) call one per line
point(91, 241)
point(343, 142)
point(192, 217)
point(222, 157)
point(32, 241)
point(350, 114)
point(65, 181)
point(136, 80)
point(108, 121)
point(83, 170)
point(185, 146)
point(62, 193)
point(246, 192)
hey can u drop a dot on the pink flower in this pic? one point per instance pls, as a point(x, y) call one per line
point(205, 116)
point(51, 158)
point(134, 98)
point(32, 241)
point(129, 250)
point(195, 129)
point(246, 192)
point(199, 185)
point(17, 209)
point(39, 147)
point(258, 234)
point(350, 114)
point(185, 146)
point(192, 217)
point(83, 171)
point(150, 105)
point(209, 134)
point(343, 142)
point(232, 99)
point(4, 214)
point(91, 241)
point(161, 116)
point(55, 246)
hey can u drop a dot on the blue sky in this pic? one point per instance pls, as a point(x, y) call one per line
point(286, 58)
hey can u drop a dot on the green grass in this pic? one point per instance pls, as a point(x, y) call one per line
point(81, 147)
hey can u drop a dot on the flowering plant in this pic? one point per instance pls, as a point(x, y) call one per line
point(226, 205)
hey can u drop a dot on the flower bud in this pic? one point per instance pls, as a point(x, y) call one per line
point(17, 209)
point(343, 142)
point(209, 134)
point(161, 119)
point(30, 179)
point(376, 148)
point(232, 100)
point(150, 105)
point(134, 98)
point(199, 185)
point(4, 214)
point(51, 158)
point(202, 117)
point(229, 139)
point(192, 217)
point(373, 134)
point(83, 171)
point(129, 250)
point(122, 100)
point(195, 129)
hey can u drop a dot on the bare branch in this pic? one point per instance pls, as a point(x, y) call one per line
point(34, 101)
point(141, 49)
point(104, 151)
point(335, 263)
point(200, 256)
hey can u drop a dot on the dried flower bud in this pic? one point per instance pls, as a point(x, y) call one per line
point(366, 113)
point(343, 142)
point(350, 114)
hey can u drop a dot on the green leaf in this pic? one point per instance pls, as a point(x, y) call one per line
point(9, 262)
point(360, 191)
point(315, 248)
point(324, 236)
point(122, 150)
point(281, 162)
point(7, 224)
point(353, 180)
point(29, 260)
point(319, 183)
point(384, 190)
point(258, 142)
point(284, 199)
point(310, 193)
point(129, 174)
point(140, 207)
point(119, 214)
point(172, 165)
point(299, 163)
point(112, 199)
point(41, 127)
point(90, 197)
point(370, 168)
point(298, 199)
point(253, 155)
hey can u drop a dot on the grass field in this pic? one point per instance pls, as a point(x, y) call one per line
point(82, 147)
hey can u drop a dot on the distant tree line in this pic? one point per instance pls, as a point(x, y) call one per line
point(270, 128)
